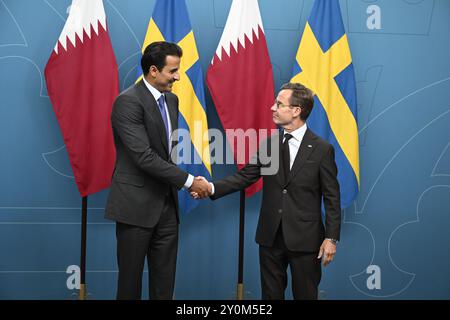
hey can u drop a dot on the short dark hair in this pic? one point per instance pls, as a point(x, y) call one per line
point(301, 97)
point(155, 55)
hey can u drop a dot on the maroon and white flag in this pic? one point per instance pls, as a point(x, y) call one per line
point(82, 82)
point(240, 77)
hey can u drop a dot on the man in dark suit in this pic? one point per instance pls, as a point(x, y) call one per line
point(290, 230)
point(143, 198)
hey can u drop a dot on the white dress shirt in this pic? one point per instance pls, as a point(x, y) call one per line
point(295, 142)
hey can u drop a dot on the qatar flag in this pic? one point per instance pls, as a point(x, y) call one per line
point(82, 82)
point(240, 78)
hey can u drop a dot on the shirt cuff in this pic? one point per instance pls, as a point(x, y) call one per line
point(189, 181)
point(212, 188)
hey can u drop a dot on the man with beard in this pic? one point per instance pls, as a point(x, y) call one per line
point(143, 198)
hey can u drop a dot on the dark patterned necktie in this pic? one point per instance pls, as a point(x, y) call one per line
point(286, 156)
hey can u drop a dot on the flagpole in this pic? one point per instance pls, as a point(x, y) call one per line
point(82, 293)
point(240, 284)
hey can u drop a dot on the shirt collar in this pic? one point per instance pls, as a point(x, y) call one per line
point(155, 92)
point(299, 133)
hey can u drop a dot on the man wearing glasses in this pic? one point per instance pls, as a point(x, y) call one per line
point(290, 230)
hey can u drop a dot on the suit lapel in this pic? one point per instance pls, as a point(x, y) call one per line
point(173, 114)
point(151, 108)
point(306, 148)
point(173, 111)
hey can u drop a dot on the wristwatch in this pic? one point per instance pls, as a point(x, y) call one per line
point(334, 241)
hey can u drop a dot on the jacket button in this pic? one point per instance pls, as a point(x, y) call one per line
point(280, 210)
point(284, 191)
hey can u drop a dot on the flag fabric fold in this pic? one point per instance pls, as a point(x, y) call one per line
point(240, 77)
point(170, 22)
point(324, 64)
point(82, 83)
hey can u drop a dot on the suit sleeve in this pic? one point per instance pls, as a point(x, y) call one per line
point(128, 122)
point(238, 181)
point(331, 195)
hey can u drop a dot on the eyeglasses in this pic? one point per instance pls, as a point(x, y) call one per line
point(280, 105)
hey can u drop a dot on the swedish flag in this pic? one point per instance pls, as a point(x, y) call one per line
point(324, 64)
point(170, 22)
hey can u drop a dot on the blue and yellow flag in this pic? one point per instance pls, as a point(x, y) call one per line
point(324, 64)
point(170, 22)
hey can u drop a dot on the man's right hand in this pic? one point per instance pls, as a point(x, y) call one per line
point(200, 188)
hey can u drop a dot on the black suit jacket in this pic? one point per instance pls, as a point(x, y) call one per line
point(144, 175)
point(295, 201)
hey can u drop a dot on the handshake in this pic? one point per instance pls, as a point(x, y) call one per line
point(200, 188)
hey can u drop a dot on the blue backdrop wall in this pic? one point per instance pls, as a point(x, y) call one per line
point(394, 238)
